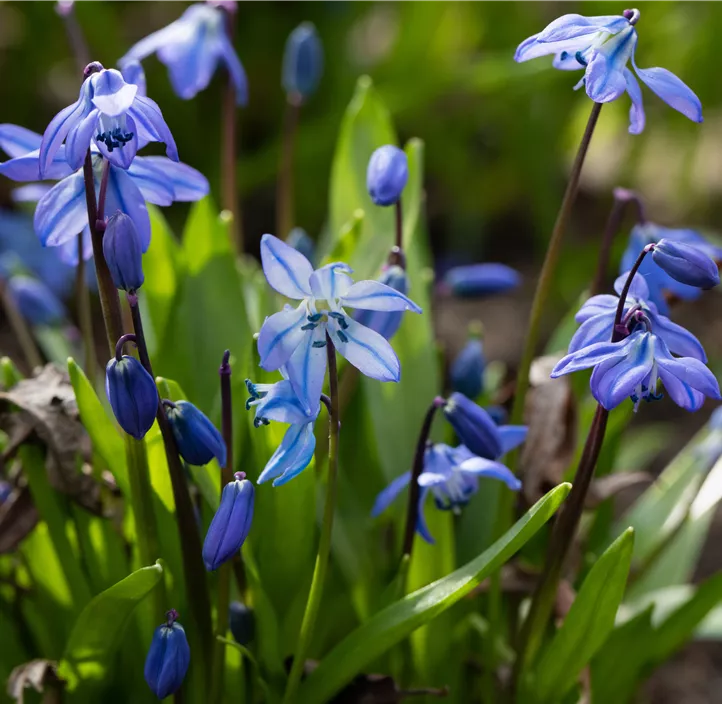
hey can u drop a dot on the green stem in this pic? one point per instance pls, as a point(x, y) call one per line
point(284, 192)
point(324, 547)
point(85, 315)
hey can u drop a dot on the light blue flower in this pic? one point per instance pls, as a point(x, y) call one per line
point(632, 367)
point(35, 301)
point(477, 280)
point(279, 402)
point(451, 476)
point(61, 213)
point(658, 281)
point(467, 370)
point(596, 318)
point(603, 46)
point(191, 48)
point(295, 338)
point(110, 113)
point(385, 323)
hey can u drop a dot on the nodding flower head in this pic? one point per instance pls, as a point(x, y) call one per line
point(35, 301)
point(467, 369)
point(387, 174)
point(478, 280)
point(168, 657)
point(109, 113)
point(197, 438)
point(602, 47)
point(686, 263)
point(123, 252)
point(302, 61)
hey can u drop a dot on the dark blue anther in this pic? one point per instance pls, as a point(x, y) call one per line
point(309, 326)
point(315, 317)
point(342, 336)
point(258, 422)
point(580, 58)
point(252, 390)
point(341, 319)
point(319, 343)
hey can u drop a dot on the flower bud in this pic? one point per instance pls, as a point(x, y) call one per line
point(123, 252)
point(168, 658)
point(387, 174)
point(229, 527)
point(686, 263)
point(35, 301)
point(132, 395)
point(481, 279)
point(197, 438)
point(467, 370)
point(242, 622)
point(301, 242)
point(302, 61)
point(474, 426)
point(383, 322)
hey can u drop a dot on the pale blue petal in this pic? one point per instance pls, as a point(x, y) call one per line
point(682, 394)
point(387, 496)
point(18, 141)
point(620, 380)
point(188, 184)
point(421, 527)
point(122, 156)
point(597, 305)
point(79, 137)
point(280, 335)
point(679, 340)
point(368, 351)
point(636, 112)
point(292, 456)
point(331, 281)
point(151, 125)
point(688, 370)
point(282, 405)
point(235, 69)
point(152, 180)
point(123, 195)
point(605, 73)
point(512, 436)
point(31, 193)
point(494, 470)
point(673, 91)
point(373, 295)
point(150, 44)
point(571, 26)
point(111, 94)
point(286, 269)
point(532, 48)
point(133, 72)
point(306, 369)
point(68, 251)
point(595, 329)
point(567, 60)
point(590, 356)
point(61, 213)
point(639, 287)
point(428, 479)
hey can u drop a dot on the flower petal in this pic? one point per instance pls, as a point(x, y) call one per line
point(123, 195)
point(387, 495)
point(682, 394)
point(373, 295)
point(331, 281)
point(494, 470)
point(18, 141)
point(282, 405)
point(368, 351)
point(597, 305)
point(61, 213)
point(591, 356)
point(306, 369)
point(121, 156)
point(596, 329)
point(235, 68)
point(605, 73)
point(151, 180)
point(675, 92)
point(678, 339)
point(293, 455)
point(421, 527)
point(286, 269)
point(280, 335)
point(571, 26)
point(79, 137)
point(111, 94)
point(688, 370)
point(151, 125)
point(636, 112)
point(512, 436)
point(532, 48)
point(639, 287)
point(30, 193)
point(188, 184)
point(59, 127)
point(620, 380)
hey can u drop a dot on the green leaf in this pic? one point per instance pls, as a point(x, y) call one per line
point(396, 622)
point(104, 434)
point(588, 623)
point(9, 373)
point(99, 628)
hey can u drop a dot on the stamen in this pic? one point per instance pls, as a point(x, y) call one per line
point(314, 318)
point(309, 326)
point(342, 336)
point(341, 319)
point(114, 139)
point(319, 343)
point(252, 389)
point(580, 58)
point(258, 422)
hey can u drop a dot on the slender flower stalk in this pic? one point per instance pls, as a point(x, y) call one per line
point(399, 228)
point(20, 328)
point(224, 571)
point(286, 218)
point(84, 312)
point(77, 42)
point(324, 547)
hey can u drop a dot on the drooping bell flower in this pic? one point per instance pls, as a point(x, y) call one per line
point(302, 62)
point(35, 301)
point(685, 263)
point(132, 394)
point(168, 657)
point(242, 622)
point(467, 369)
point(231, 523)
point(477, 280)
point(197, 438)
point(387, 174)
point(112, 115)
point(123, 252)
point(191, 48)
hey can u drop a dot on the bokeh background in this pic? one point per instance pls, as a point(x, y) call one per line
point(499, 139)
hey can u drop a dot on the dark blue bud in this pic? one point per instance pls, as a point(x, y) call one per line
point(481, 279)
point(197, 438)
point(168, 658)
point(35, 301)
point(242, 622)
point(301, 242)
point(383, 322)
point(686, 263)
point(132, 395)
point(467, 370)
point(302, 61)
point(474, 426)
point(229, 527)
point(387, 174)
point(123, 252)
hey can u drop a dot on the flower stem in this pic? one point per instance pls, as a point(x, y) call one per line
point(229, 147)
point(285, 220)
point(616, 333)
point(324, 546)
point(85, 315)
point(412, 510)
point(193, 568)
point(546, 277)
point(224, 572)
point(76, 39)
point(561, 539)
point(20, 328)
point(399, 225)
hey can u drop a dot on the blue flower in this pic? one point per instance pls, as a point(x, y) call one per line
point(657, 279)
point(387, 174)
point(61, 213)
point(467, 370)
point(280, 403)
point(109, 113)
point(197, 438)
point(191, 48)
point(242, 622)
point(168, 657)
point(384, 323)
point(35, 301)
point(478, 431)
point(603, 46)
point(596, 318)
point(686, 263)
point(451, 475)
point(6, 489)
point(230, 525)
point(123, 253)
point(132, 394)
point(295, 338)
point(632, 367)
point(302, 61)
point(481, 279)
